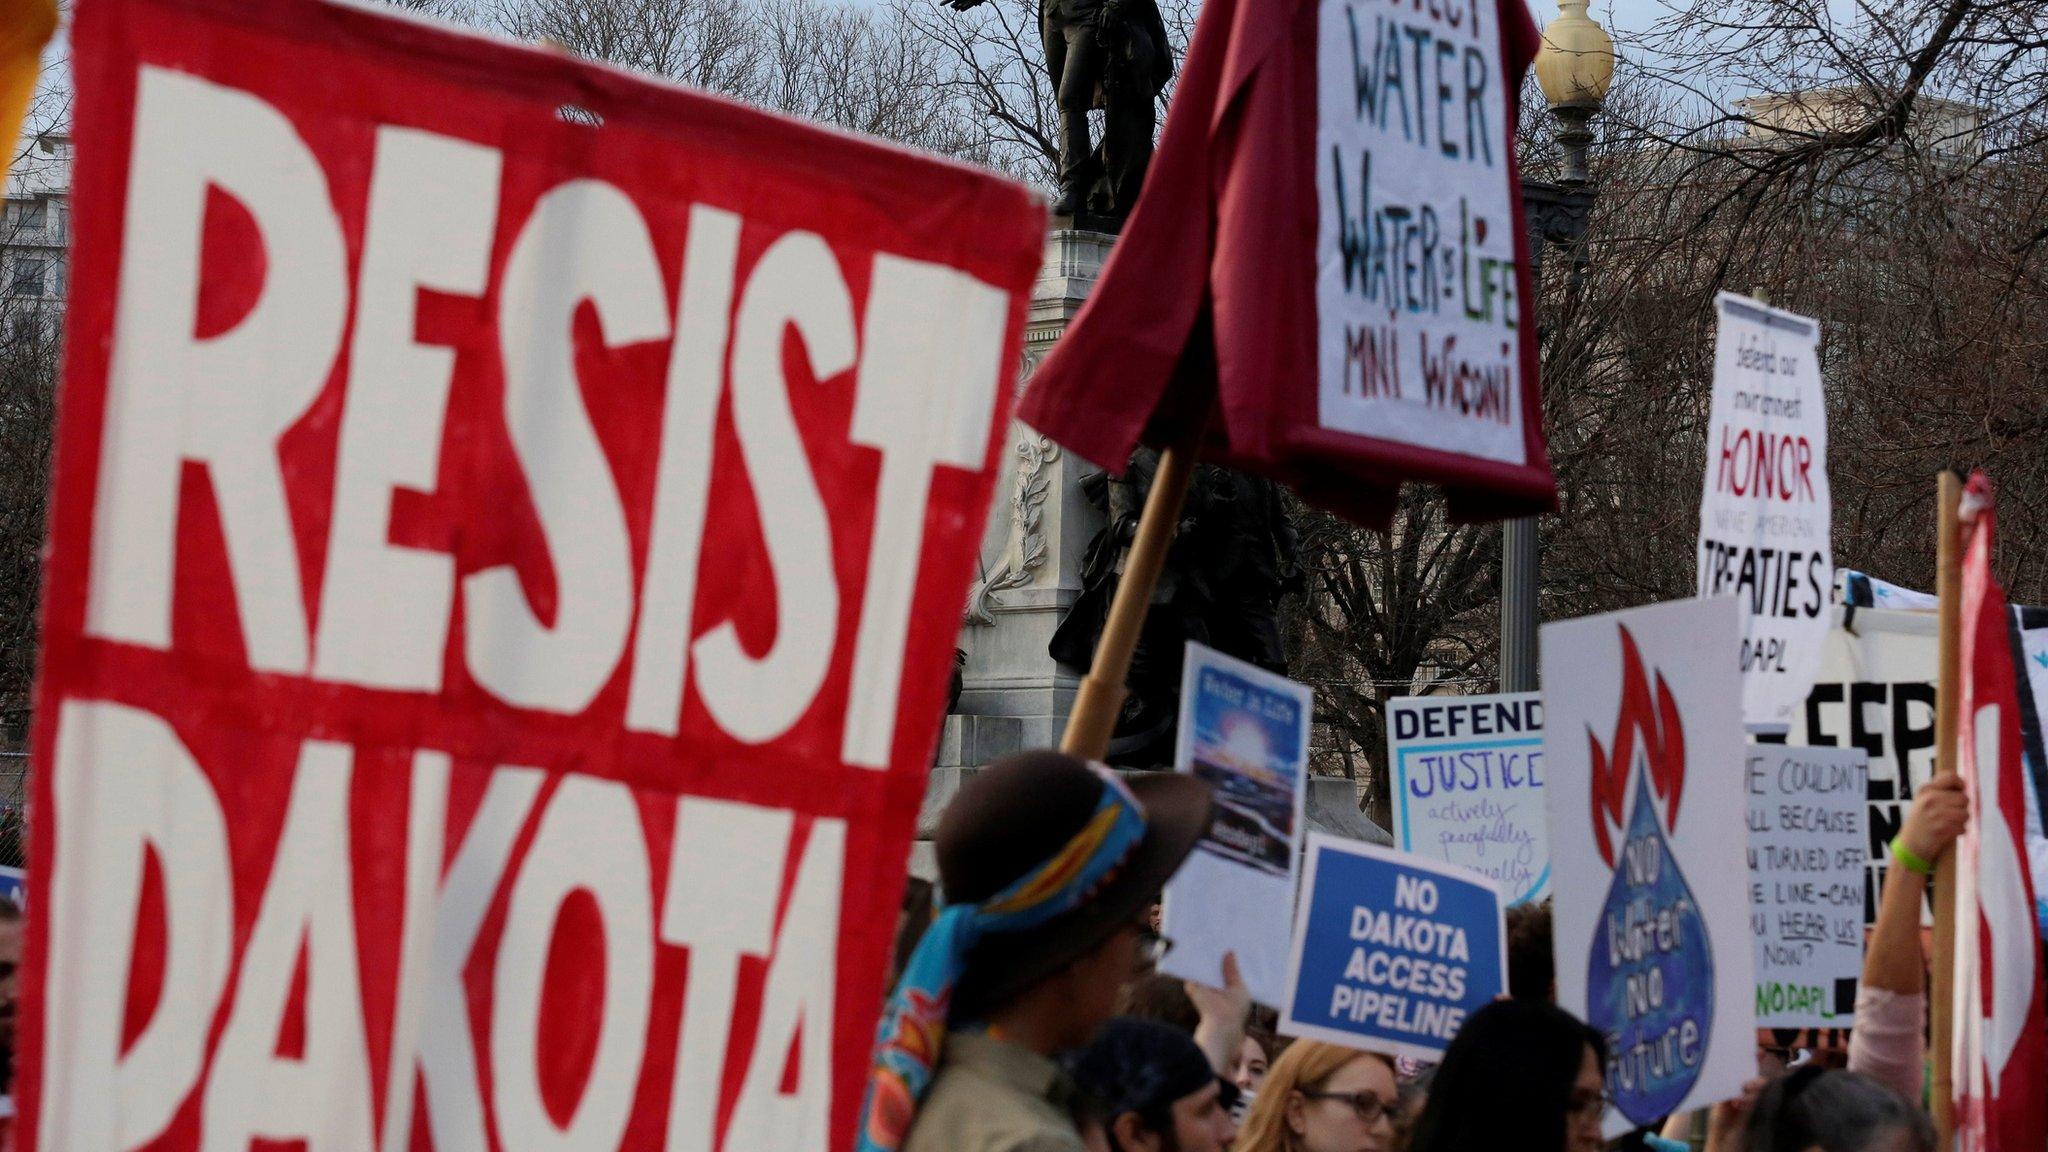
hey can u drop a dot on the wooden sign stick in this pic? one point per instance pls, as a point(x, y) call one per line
point(1941, 990)
point(1101, 695)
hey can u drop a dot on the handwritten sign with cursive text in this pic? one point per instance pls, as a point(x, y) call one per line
point(1806, 858)
point(1419, 319)
point(1468, 786)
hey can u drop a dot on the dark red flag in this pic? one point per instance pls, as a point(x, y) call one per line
point(2000, 1046)
point(1329, 251)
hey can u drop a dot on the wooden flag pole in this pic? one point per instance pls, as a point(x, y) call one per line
point(1101, 696)
point(1941, 991)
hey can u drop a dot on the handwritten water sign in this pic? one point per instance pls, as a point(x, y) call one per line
point(1468, 786)
point(1420, 325)
point(1806, 857)
point(1391, 953)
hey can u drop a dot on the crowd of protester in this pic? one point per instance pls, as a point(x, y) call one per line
point(1030, 1016)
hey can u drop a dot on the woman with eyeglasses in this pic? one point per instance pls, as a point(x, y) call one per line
point(1323, 1098)
point(1521, 1075)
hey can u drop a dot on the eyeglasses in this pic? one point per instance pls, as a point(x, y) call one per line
point(1588, 1107)
point(1151, 945)
point(1370, 1108)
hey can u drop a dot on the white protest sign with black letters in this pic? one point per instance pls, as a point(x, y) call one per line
point(1875, 693)
point(1643, 750)
point(1765, 513)
point(1468, 786)
point(1420, 331)
point(1806, 860)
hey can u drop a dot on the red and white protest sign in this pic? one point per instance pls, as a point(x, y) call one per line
point(1766, 517)
point(2001, 1025)
point(511, 524)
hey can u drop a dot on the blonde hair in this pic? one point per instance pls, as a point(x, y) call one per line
point(1306, 1066)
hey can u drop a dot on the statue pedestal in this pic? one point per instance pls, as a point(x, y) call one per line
point(1015, 696)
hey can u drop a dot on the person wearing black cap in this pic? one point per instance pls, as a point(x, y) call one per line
point(1155, 1088)
point(1049, 867)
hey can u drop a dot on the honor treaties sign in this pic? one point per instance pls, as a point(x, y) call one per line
point(1765, 513)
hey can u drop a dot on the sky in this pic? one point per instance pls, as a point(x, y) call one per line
point(1628, 21)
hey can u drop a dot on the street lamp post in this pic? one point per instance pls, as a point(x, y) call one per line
point(1574, 68)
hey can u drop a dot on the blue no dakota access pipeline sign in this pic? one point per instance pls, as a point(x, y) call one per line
point(1391, 952)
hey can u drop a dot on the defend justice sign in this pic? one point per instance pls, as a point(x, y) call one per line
point(1765, 513)
point(504, 567)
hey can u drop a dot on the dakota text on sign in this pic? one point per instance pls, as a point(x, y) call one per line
point(1391, 952)
point(484, 699)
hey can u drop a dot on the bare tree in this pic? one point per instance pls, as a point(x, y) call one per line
point(29, 350)
point(867, 71)
point(863, 69)
point(457, 10)
point(1914, 250)
point(993, 64)
point(28, 388)
point(1408, 612)
point(711, 44)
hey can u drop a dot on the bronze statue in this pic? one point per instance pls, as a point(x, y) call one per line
point(1234, 555)
point(1113, 55)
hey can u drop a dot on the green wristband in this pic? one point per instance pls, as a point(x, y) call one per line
point(1909, 859)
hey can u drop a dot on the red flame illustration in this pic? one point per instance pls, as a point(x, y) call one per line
point(1653, 725)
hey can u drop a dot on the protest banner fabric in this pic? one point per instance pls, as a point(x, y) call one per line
point(1874, 692)
point(1806, 862)
point(1468, 786)
point(2030, 657)
point(1390, 343)
point(1391, 952)
point(389, 730)
point(1643, 750)
point(1245, 731)
point(2000, 1018)
point(1765, 512)
point(1862, 590)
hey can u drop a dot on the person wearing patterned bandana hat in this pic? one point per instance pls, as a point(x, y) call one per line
point(1049, 867)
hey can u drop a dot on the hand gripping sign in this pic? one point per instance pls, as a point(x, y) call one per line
point(511, 519)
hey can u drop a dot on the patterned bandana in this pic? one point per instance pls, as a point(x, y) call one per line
point(913, 1028)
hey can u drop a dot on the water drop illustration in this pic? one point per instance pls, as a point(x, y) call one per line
point(1650, 977)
